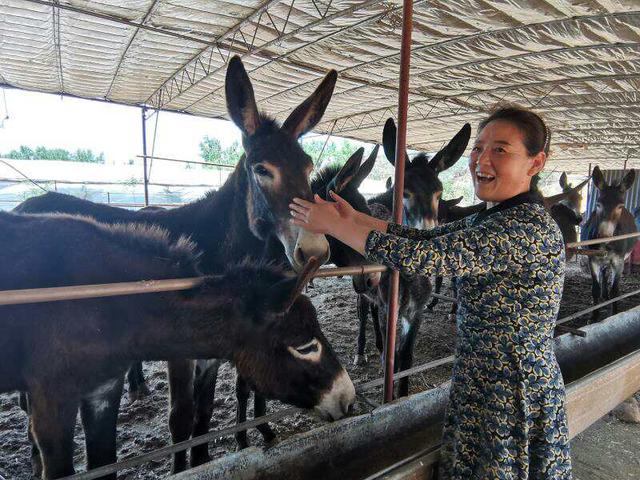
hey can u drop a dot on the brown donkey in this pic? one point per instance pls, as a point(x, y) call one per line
point(66, 353)
point(609, 219)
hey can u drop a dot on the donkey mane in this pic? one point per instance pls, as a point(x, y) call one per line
point(136, 237)
point(267, 125)
point(323, 177)
point(249, 277)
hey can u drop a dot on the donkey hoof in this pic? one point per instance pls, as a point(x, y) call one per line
point(359, 360)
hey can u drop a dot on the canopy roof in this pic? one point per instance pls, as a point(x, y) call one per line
point(575, 61)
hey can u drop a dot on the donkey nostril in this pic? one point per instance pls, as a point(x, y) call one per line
point(350, 408)
point(298, 256)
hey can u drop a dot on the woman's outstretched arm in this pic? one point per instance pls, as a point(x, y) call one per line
point(456, 253)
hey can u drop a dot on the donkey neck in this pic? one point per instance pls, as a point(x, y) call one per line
point(218, 223)
point(187, 328)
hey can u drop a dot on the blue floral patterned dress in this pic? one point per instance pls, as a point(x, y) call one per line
point(506, 417)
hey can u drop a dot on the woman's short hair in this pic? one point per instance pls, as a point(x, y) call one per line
point(536, 134)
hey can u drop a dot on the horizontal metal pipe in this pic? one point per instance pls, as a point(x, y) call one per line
point(78, 292)
point(444, 297)
point(91, 182)
point(573, 316)
point(359, 270)
point(587, 253)
point(196, 162)
point(597, 241)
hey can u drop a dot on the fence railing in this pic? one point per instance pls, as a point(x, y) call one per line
point(15, 297)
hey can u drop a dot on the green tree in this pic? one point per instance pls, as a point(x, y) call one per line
point(43, 153)
point(232, 154)
point(211, 151)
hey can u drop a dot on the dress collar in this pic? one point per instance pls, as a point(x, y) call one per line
point(531, 196)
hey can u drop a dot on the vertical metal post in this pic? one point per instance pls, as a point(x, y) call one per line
point(401, 143)
point(144, 156)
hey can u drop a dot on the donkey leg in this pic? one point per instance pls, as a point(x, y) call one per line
point(454, 306)
point(438, 288)
point(614, 291)
point(36, 460)
point(242, 397)
point(180, 373)
point(53, 421)
point(596, 289)
point(99, 414)
point(137, 387)
point(259, 410)
point(375, 313)
point(406, 354)
point(363, 313)
point(204, 395)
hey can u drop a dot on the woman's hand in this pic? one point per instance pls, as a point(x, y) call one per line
point(320, 216)
point(338, 219)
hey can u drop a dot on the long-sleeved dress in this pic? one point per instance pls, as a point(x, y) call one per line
point(506, 416)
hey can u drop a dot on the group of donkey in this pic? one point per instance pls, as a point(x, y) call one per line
point(73, 354)
point(247, 310)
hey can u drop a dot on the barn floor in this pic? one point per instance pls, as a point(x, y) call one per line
point(609, 450)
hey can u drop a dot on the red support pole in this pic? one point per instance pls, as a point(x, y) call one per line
point(401, 146)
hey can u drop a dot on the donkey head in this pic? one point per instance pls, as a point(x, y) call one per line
point(345, 181)
point(276, 167)
point(610, 205)
point(422, 188)
point(283, 353)
point(574, 198)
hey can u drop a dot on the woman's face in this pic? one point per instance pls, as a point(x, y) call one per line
point(500, 165)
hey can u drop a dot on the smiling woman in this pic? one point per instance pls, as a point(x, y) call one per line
point(506, 416)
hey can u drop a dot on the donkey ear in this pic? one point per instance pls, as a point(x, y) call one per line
point(308, 113)
point(627, 181)
point(348, 170)
point(454, 201)
point(241, 102)
point(598, 178)
point(366, 167)
point(283, 294)
point(388, 183)
point(563, 180)
point(451, 153)
point(389, 133)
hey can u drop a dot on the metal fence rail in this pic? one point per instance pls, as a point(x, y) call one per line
point(14, 297)
point(36, 295)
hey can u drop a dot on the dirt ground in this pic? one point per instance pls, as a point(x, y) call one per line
point(608, 450)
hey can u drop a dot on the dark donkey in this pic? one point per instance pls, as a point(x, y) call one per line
point(564, 208)
point(609, 219)
point(345, 181)
point(65, 353)
point(228, 225)
point(421, 197)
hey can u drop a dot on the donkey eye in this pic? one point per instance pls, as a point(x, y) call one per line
point(310, 351)
point(262, 171)
point(307, 350)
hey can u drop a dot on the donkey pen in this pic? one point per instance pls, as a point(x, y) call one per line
point(573, 61)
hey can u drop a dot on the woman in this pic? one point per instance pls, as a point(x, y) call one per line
point(506, 417)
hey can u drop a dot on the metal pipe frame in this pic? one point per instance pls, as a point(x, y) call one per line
point(398, 189)
point(37, 295)
point(143, 110)
point(195, 162)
